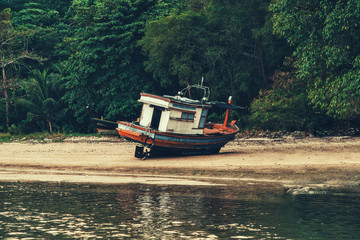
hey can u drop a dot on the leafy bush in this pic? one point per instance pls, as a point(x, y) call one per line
point(285, 105)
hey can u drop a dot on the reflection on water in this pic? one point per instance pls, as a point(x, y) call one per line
point(63, 211)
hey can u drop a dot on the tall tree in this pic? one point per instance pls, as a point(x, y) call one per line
point(230, 42)
point(13, 51)
point(326, 37)
point(104, 72)
point(174, 47)
point(49, 27)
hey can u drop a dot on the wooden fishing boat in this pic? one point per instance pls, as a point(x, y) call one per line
point(177, 124)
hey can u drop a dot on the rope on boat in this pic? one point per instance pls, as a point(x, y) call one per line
point(147, 153)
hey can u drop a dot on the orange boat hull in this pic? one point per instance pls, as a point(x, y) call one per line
point(213, 140)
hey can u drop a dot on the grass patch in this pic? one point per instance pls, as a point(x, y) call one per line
point(41, 137)
point(5, 137)
point(82, 135)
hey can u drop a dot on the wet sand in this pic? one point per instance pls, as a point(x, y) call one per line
point(323, 162)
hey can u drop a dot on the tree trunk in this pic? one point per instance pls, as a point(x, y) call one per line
point(50, 126)
point(6, 96)
point(261, 60)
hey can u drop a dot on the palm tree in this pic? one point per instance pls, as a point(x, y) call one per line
point(43, 98)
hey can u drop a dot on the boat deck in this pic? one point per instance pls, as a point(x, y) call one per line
point(217, 129)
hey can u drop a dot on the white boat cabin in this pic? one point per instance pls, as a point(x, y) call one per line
point(173, 114)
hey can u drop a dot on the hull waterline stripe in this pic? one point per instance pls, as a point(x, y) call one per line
point(175, 139)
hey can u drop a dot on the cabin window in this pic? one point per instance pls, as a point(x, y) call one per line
point(203, 118)
point(187, 116)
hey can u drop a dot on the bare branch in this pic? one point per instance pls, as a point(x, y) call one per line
point(7, 40)
point(250, 55)
point(22, 56)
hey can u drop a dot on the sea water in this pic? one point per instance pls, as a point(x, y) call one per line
point(135, 211)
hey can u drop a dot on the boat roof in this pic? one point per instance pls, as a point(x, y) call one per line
point(225, 105)
point(179, 99)
point(192, 102)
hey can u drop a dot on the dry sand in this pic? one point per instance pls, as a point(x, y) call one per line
point(289, 162)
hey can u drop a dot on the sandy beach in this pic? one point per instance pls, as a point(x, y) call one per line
point(287, 161)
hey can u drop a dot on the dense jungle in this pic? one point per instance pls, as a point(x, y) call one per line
point(293, 65)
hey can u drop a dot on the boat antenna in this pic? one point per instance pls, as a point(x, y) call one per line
point(187, 90)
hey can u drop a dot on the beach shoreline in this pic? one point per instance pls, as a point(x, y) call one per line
point(288, 162)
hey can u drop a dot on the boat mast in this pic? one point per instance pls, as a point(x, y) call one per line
point(227, 112)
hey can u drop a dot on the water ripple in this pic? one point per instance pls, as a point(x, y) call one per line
point(49, 211)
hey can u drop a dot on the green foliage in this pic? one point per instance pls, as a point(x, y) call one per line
point(326, 37)
point(230, 43)
point(165, 8)
point(174, 45)
point(47, 28)
point(285, 106)
point(104, 74)
point(18, 5)
point(5, 137)
point(338, 95)
point(14, 53)
point(44, 98)
point(2, 113)
point(111, 50)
